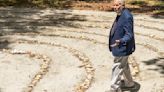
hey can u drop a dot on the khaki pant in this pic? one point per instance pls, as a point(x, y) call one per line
point(120, 68)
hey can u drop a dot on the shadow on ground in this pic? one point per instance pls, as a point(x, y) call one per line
point(159, 62)
point(3, 44)
point(25, 20)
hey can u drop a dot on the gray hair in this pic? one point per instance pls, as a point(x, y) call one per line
point(121, 1)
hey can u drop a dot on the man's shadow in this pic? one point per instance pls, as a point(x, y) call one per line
point(136, 88)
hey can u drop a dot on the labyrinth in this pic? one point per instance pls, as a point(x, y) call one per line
point(48, 50)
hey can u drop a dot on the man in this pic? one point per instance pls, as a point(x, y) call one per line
point(121, 44)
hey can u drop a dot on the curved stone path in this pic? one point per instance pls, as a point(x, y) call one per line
point(73, 48)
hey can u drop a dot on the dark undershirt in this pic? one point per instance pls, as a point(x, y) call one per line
point(115, 24)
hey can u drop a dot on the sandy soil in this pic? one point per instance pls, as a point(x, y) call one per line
point(67, 51)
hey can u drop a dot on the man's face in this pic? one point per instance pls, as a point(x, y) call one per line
point(117, 6)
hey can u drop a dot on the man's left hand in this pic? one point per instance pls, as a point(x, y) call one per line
point(117, 42)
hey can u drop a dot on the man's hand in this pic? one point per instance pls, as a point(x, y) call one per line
point(117, 42)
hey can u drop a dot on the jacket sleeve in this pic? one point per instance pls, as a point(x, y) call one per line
point(128, 28)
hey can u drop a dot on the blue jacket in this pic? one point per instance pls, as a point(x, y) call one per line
point(124, 32)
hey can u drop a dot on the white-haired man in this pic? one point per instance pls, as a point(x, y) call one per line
point(121, 44)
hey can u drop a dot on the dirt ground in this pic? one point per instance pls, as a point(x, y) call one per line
point(48, 50)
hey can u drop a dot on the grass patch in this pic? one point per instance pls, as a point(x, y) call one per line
point(160, 3)
point(36, 3)
point(161, 12)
